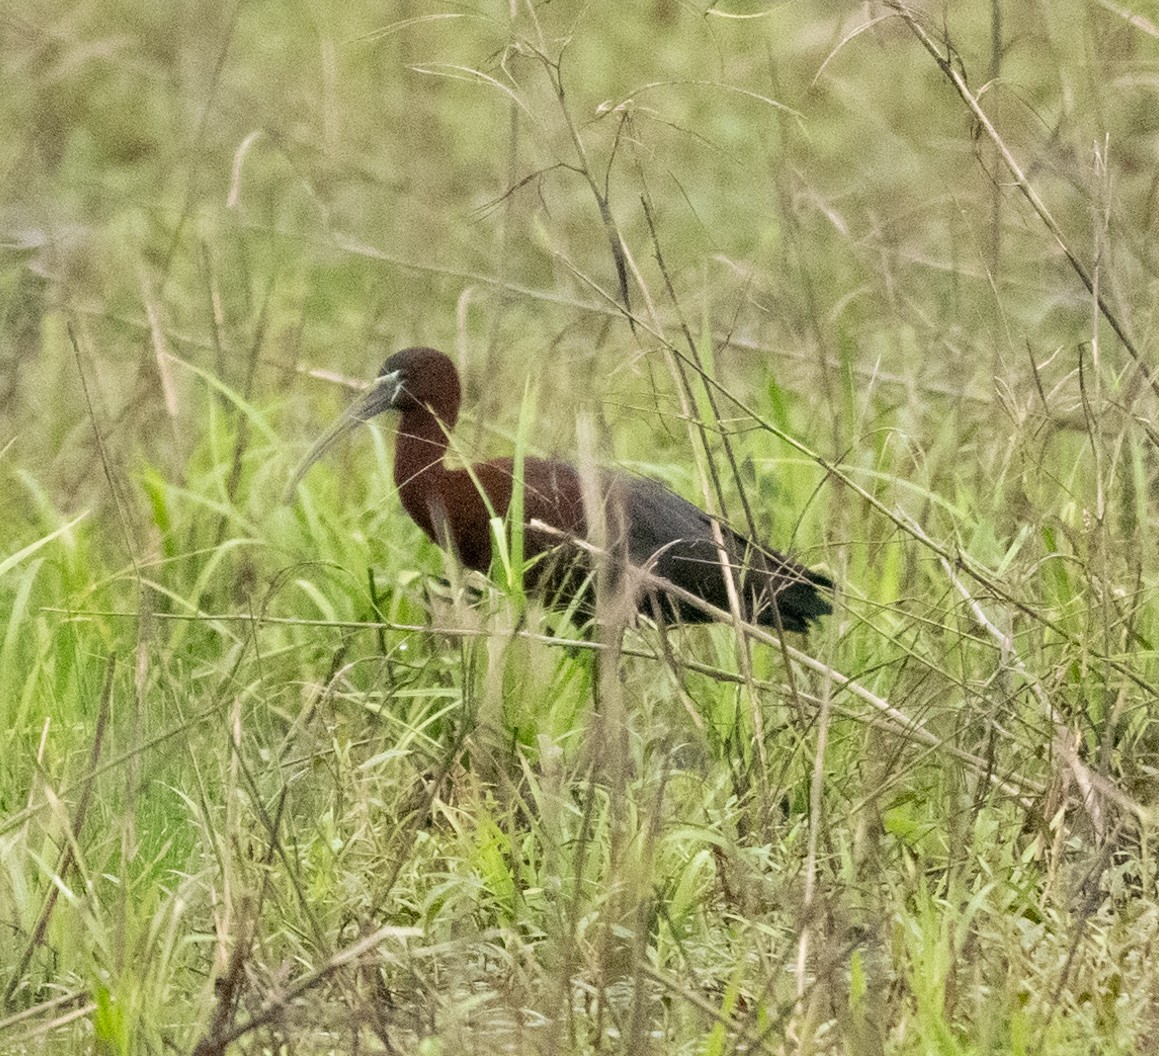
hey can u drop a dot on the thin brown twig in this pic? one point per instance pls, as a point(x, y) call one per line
point(228, 987)
point(1032, 196)
point(217, 1044)
point(695, 423)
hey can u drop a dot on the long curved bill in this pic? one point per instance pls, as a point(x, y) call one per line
point(378, 398)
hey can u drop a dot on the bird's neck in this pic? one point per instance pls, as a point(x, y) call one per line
point(419, 472)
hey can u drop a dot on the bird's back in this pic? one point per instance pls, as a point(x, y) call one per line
point(666, 535)
point(676, 541)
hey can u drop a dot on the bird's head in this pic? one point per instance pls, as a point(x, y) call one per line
point(415, 380)
point(412, 380)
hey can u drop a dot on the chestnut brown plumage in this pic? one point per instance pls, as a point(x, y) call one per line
point(647, 525)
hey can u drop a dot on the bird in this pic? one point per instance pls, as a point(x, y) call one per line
point(645, 525)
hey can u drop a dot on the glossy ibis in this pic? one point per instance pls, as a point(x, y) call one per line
point(647, 525)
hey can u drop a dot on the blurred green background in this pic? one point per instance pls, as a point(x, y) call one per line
point(216, 219)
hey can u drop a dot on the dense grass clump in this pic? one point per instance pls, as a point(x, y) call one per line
point(876, 284)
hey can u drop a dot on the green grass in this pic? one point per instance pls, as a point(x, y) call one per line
point(279, 777)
